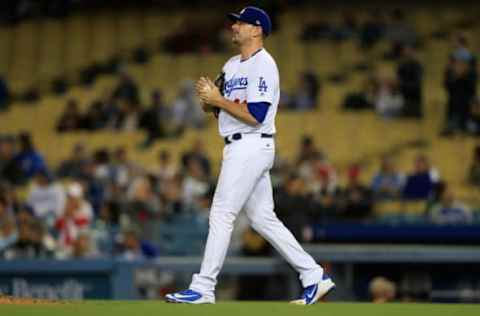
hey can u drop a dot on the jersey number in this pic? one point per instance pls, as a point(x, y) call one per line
point(262, 85)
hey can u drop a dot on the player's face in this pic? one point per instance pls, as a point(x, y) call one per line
point(243, 32)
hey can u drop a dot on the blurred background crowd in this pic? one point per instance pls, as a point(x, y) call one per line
point(105, 152)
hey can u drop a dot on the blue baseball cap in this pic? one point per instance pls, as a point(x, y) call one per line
point(254, 16)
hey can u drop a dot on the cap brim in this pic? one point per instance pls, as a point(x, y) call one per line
point(233, 17)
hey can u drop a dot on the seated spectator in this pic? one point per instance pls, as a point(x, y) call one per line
point(96, 118)
point(143, 203)
point(71, 119)
point(72, 167)
point(8, 233)
point(124, 169)
point(319, 174)
point(474, 171)
point(306, 96)
point(8, 229)
point(421, 181)
point(4, 94)
point(410, 76)
point(166, 169)
point(307, 149)
point(126, 89)
point(187, 112)
point(388, 101)
point(450, 211)
point(197, 152)
point(355, 202)
point(156, 119)
point(195, 184)
point(10, 171)
point(171, 193)
point(128, 116)
point(473, 124)
point(132, 248)
point(388, 182)
point(295, 207)
point(75, 218)
point(28, 158)
point(83, 248)
point(382, 290)
point(46, 198)
point(32, 243)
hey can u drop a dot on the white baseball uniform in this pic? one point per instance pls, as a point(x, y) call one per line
point(244, 181)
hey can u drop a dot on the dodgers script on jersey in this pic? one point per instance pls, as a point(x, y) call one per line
point(255, 79)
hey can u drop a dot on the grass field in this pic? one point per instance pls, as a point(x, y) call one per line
point(147, 308)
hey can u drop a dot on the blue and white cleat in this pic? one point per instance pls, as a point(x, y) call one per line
point(311, 294)
point(189, 297)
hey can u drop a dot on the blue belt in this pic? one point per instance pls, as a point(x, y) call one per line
point(238, 136)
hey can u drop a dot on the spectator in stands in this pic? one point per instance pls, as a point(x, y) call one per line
point(128, 116)
point(144, 204)
point(373, 30)
point(450, 210)
point(172, 197)
point(306, 96)
point(132, 248)
point(71, 118)
point(421, 181)
point(10, 171)
point(195, 184)
point(473, 124)
point(474, 170)
point(382, 290)
point(166, 169)
point(320, 175)
point(187, 112)
point(106, 226)
point(72, 167)
point(4, 94)
point(155, 119)
point(307, 149)
point(295, 207)
point(410, 76)
point(8, 232)
point(75, 218)
point(355, 201)
point(95, 118)
point(399, 33)
point(460, 83)
point(28, 158)
point(32, 243)
point(46, 198)
point(126, 89)
point(388, 182)
point(197, 152)
point(388, 100)
point(124, 169)
point(84, 248)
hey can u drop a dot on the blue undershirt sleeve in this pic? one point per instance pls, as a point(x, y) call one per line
point(258, 110)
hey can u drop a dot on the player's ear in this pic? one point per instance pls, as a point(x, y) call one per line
point(258, 32)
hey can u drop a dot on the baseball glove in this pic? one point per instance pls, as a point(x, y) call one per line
point(220, 84)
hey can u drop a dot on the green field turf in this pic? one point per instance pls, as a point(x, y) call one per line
point(147, 308)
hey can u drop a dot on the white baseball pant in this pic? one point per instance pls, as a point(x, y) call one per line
point(244, 183)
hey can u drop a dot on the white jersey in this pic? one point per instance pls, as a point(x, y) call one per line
point(252, 80)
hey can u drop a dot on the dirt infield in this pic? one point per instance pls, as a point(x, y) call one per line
point(8, 300)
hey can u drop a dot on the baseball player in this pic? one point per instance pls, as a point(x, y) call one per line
point(246, 104)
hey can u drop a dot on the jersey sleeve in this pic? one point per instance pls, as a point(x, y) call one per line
point(261, 82)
